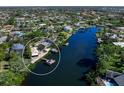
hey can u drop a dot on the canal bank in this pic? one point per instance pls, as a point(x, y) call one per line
point(81, 46)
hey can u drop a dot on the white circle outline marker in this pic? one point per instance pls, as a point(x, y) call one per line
point(49, 71)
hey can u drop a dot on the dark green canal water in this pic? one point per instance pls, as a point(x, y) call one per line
point(81, 46)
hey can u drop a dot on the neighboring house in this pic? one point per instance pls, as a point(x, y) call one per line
point(108, 24)
point(121, 44)
point(46, 43)
point(8, 28)
point(43, 24)
point(114, 36)
point(68, 28)
point(17, 33)
point(112, 74)
point(3, 39)
point(18, 47)
point(114, 30)
point(120, 80)
point(116, 76)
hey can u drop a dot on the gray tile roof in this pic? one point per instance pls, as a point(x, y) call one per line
point(119, 80)
point(112, 74)
point(18, 46)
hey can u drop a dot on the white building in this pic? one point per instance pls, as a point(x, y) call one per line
point(34, 51)
point(121, 44)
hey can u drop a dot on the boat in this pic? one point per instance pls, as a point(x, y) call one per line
point(54, 50)
point(66, 44)
point(50, 62)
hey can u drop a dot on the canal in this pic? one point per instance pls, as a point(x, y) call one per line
point(81, 47)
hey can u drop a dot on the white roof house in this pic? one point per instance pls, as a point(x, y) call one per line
point(34, 51)
point(121, 44)
point(67, 28)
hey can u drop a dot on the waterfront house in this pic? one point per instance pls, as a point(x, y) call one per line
point(121, 44)
point(117, 77)
point(120, 80)
point(112, 74)
point(34, 51)
point(67, 28)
